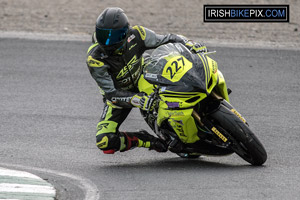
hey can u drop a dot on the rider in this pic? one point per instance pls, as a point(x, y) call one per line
point(115, 60)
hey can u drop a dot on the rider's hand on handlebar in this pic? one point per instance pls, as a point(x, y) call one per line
point(196, 47)
point(143, 101)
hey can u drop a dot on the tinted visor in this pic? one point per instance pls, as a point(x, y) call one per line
point(110, 36)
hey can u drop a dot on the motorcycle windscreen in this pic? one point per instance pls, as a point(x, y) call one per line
point(175, 66)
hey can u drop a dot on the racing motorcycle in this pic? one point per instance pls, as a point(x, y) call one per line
point(191, 110)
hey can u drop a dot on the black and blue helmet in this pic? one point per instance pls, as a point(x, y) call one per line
point(111, 29)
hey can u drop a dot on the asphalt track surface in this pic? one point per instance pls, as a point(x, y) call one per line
point(50, 106)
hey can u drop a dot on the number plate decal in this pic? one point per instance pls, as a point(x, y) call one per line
point(176, 68)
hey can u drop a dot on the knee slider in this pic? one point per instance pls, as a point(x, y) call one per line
point(107, 136)
point(108, 141)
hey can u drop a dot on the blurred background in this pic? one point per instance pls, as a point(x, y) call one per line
point(168, 16)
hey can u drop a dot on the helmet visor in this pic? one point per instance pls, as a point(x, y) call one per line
point(108, 37)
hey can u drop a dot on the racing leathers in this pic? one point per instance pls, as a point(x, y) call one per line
point(117, 76)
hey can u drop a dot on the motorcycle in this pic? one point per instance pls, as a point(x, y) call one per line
point(191, 110)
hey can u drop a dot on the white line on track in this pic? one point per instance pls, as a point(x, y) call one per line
point(91, 190)
point(15, 173)
point(20, 184)
point(24, 188)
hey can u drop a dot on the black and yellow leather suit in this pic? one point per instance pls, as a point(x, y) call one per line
point(117, 77)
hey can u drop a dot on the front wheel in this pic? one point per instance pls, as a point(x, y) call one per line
point(189, 155)
point(243, 141)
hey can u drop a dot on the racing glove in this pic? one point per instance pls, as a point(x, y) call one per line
point(196, 47)
point(143, 102)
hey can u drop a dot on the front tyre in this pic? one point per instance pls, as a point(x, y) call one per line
point(243, 140)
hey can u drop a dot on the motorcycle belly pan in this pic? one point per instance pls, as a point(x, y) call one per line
point(182, 123)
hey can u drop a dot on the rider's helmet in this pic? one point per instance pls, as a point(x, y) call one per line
point(111, 29)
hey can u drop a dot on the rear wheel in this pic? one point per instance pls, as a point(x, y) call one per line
point(243, 141)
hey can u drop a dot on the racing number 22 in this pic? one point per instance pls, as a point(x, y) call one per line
point(176, 65)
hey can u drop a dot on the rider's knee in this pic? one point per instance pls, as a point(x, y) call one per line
point(107, 135)
point(108, 141)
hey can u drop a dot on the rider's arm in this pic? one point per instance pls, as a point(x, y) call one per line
point(99, 71)
point(153, 40)
point(117, 97)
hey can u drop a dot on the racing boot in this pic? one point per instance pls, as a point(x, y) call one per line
point(141, 139)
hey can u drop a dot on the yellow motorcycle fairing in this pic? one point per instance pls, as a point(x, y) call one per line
point(180, 120)
point(177, 100)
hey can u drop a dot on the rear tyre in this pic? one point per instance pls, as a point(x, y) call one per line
point(243, 140)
